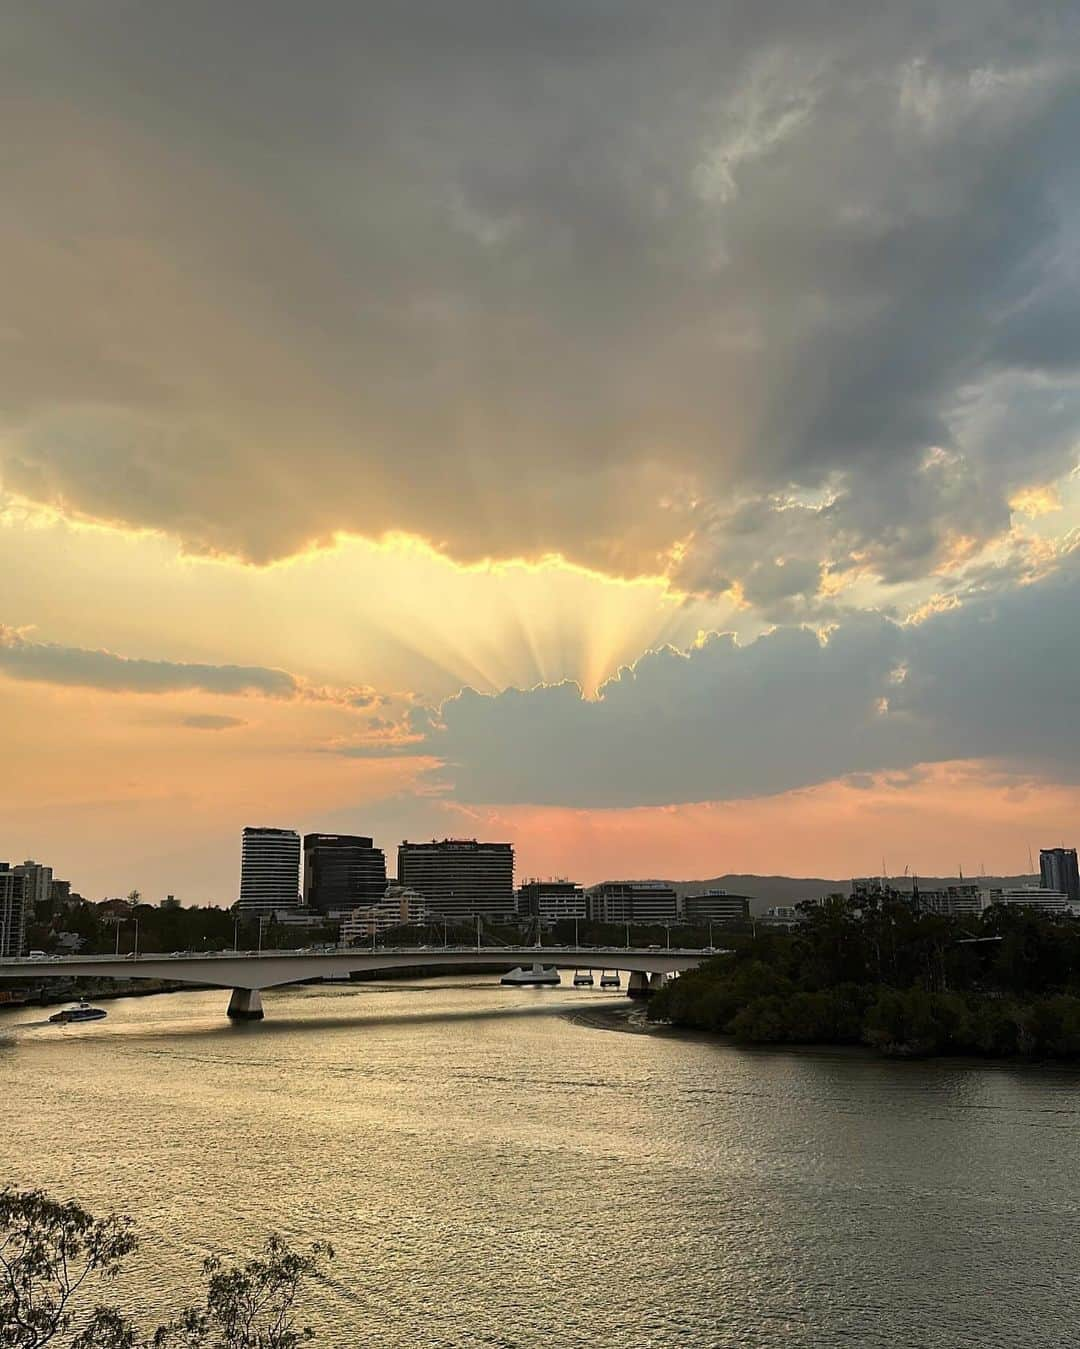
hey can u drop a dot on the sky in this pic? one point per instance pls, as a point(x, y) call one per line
point(645, 433)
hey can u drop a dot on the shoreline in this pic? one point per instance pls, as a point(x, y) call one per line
point(626, 1020)
point(633, 1021)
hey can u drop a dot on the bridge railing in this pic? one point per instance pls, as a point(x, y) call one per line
point(309, 953)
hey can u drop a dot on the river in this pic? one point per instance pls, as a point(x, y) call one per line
point(491, 1172)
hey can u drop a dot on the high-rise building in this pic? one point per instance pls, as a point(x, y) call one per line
point(37, 882)
point(459, 877)
point(1057, 867)
point(14, 911)
point(269, 870)
point(342, 871)
point(551, 901)
point(632, 902)
point(716, 906)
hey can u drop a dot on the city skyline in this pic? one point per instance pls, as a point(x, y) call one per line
point(338, 873)
point(653, 447)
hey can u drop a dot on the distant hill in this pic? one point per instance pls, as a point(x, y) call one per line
point(765, 891)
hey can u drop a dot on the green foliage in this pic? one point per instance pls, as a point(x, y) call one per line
point(1053, 1025)
point(911, 1022)
point(997, 1027)
point(1005, 983)
point(249, 1306)
point(830, 1016)
point(51, 1252)
point(48, 1252)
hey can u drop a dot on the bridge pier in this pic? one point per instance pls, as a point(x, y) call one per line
point(245, 1005)
point(638, 985)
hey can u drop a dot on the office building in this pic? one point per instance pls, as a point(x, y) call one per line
point(459, 877)
point(1058, 871)
point(399, 907)
point(632, 902)
point(1030, 897)
point(952, 901)
point(551, 901)
point(716, 906)
point(269, 870)
point(342, 872)
point(14, 910)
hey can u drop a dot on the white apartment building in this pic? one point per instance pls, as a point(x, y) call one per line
point(399, 907)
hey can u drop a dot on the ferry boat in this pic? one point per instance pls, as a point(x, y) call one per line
point(583, 979)
point(537, 975)
point(610, 980)
point(83, 1012)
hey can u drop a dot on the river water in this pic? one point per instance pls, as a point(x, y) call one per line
point(492, 1172)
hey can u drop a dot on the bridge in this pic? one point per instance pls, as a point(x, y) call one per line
point(247, 973)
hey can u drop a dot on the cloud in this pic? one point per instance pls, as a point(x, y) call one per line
point(545, 277)
point(993, 678)
point(46, 662)
point(209, 722)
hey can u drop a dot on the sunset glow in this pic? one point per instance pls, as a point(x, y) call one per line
point(627, 453)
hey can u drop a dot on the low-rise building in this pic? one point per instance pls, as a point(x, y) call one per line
point(865, 889)
point(399, 907)
point(1030, 897)
point(301, 918)
point(551, 900)
point(632, 902)
point(951, 901)
point(785, 916)
point(716, 906)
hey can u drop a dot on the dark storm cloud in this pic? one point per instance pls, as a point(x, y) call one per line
point(993, 678)
point(540, 276)
point(44, 662)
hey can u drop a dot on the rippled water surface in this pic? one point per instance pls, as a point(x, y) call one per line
point(491, 1173)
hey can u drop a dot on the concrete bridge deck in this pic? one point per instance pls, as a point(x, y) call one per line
point(248, 972)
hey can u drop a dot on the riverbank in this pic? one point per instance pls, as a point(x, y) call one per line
point(628, 1020)
point(98, 989)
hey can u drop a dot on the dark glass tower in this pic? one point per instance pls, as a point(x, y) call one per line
point(1058, 870)
point(342, 872)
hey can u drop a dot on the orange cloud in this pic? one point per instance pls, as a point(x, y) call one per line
point(1036, 501)
point(934, 820)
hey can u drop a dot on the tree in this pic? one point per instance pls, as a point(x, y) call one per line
point(48, 1252)
point(51, 1252)
point(249, 1306)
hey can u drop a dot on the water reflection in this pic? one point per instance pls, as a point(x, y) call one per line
point(492, 1173)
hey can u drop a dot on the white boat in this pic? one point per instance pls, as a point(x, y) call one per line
point(583, 979)
point(83, 1012)
point(609, 980)
point(537, 974)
